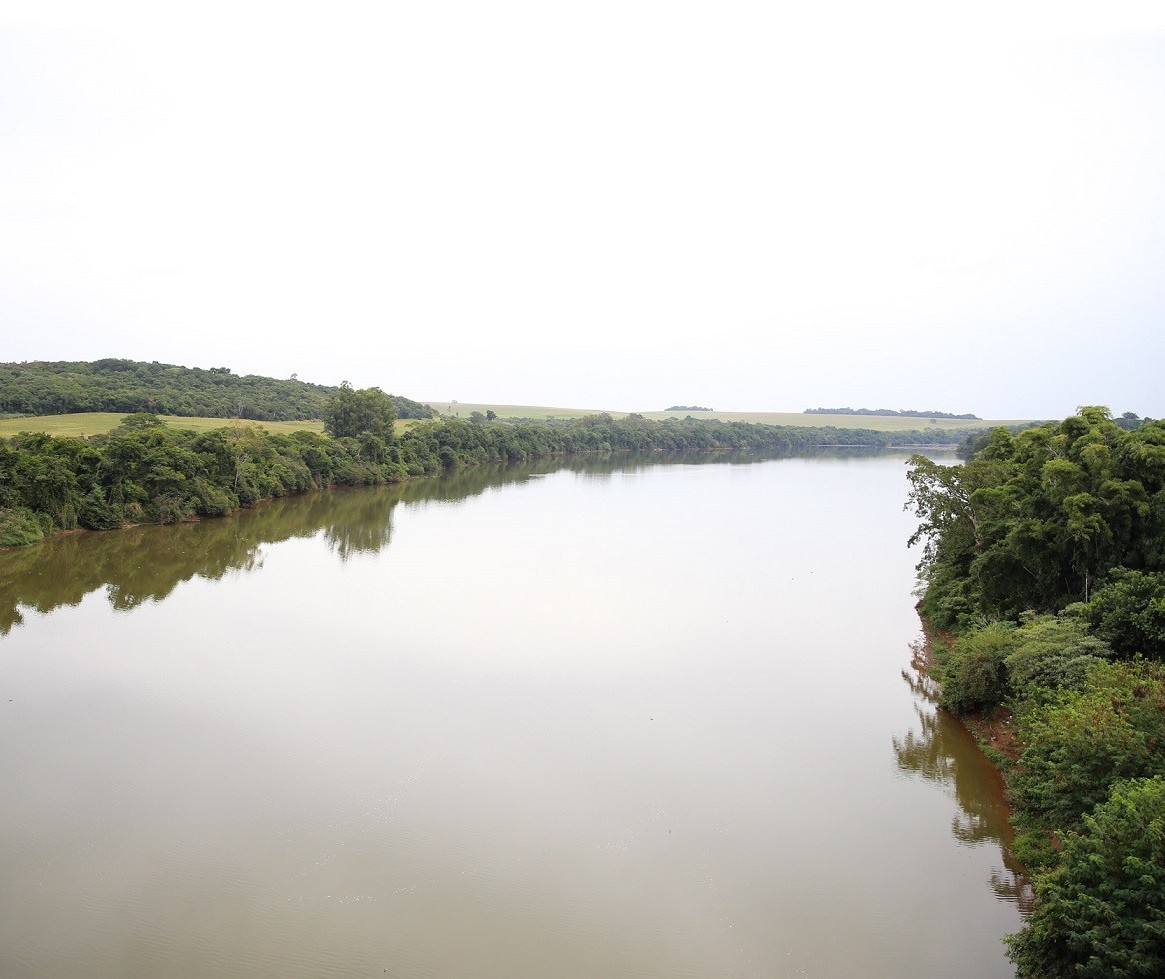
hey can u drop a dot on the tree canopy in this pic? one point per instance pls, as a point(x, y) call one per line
point(1102, 913)
point(1037, 519)
point(349, 413)
point(113, 384)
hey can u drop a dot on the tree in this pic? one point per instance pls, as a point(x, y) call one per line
point(1102, 912)
point(973, 672)
point(1129, 612)
point(350, 413)
point(1085, 741)
point(138, 420)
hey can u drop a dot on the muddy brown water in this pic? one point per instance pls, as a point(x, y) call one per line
point(615, 719)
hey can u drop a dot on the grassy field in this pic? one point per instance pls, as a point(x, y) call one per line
point(98, 423)
point(461, 409)
point(875, 423)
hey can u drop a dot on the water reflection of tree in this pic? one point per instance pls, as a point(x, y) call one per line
point(143, 564)
point(942, 751)
point(361, 522)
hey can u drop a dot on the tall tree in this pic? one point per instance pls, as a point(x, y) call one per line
point(350, 413)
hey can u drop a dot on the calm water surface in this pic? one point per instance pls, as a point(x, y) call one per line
point(616, 720)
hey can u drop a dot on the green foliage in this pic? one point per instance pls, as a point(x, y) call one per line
point(19, 527)
point(1060, 529)
point(350, 413)
point(973, 672)
point(1129, 612)
point(142, 471)
point(1035, 663)
point(1035, 850)
point(139, 420)
point(907, 413)
point(1053, 653)
point(57, 388)
point(97, 513)
point(1078, 746)
point(1101, 914)
point(1037, 519)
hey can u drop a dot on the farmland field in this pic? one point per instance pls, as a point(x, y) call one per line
point(100, 422)
point(875, 423)
point(462, 409)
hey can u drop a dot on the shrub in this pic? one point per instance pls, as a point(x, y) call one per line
point(1129, 613)
point(1053, 653)
point(97, 513)
point(1102, 912)
point(973, 672)
point(19, 527)
point(1079, 746)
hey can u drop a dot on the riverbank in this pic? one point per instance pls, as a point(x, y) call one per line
point(995, 730)
point(1043, 555)
point(147, 472)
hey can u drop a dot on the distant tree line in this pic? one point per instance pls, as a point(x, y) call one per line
point(903, 413)
point(688, 408)
point(145, 471)
point(1045, 554)
point(59, 387)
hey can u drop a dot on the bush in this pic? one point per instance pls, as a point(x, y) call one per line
point(973, 672)
point(1129, 613)
point(97, 513)
point(168, 508)
point(1102, 912)
point(1053, 653)
point(1079, 746)
point(19, 527)
point(211, 500)
point(949, 602)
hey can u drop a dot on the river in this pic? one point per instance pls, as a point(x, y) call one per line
point(614, 719)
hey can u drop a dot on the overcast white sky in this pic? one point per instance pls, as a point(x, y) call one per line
point(625, 205)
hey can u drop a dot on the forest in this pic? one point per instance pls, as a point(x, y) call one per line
point(64, 387)
point(1044, 562)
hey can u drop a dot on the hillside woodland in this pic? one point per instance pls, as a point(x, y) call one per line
point(59, 388)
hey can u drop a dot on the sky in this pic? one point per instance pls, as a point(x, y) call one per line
point(622, 205)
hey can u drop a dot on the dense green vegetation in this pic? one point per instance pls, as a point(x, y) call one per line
point(1099, 914)
point(1045, 554)
point(145, 563)
point(350, 413)
point(59, 388)
point(1038, 519)
point(147, 472)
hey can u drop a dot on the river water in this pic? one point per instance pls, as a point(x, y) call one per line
point(616, 719)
